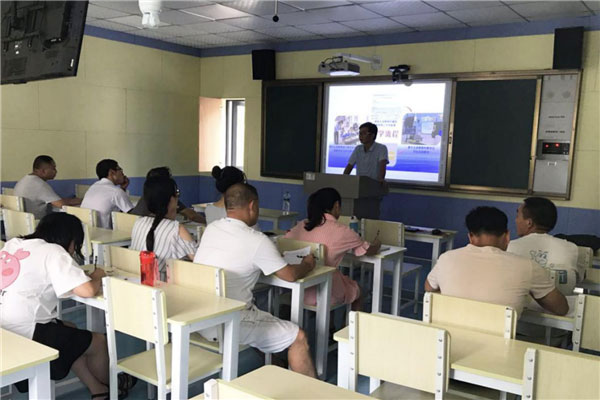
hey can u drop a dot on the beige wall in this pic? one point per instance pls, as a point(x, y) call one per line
point(140, 105)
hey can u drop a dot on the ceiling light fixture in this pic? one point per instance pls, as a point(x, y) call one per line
point(340, 65)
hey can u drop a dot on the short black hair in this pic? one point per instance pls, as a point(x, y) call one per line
point(159, 172)
point(61, 229)
point(240, 195)
point(225, 177)
point(371, 128)
point(489, 220)
point(541, 211)
point(104, 167)
point(41, 161)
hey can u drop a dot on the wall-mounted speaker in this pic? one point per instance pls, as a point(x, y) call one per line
point(263, 65)
point(568, 48)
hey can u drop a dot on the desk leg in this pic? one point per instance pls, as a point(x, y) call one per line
point(94, 319)
point(275, 224)
point(343, 364)
point(323, 302)
point(450, 244)
point(435, 253)
point(397, 286)
point(377, 286)
point(297, 312)
point(39, 383)
point(231, 344)
point(180, 337)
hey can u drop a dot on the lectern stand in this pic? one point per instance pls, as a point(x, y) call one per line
point(361, 195)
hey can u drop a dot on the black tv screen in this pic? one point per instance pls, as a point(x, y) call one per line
point(41, 39)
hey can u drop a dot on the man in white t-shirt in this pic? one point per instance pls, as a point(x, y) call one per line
point(484, 271)
point(231, 244)
point(371, 158)
point(108, 194)
point(38, 195)
point(536, 216)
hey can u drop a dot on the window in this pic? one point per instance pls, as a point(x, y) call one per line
point(234, 147)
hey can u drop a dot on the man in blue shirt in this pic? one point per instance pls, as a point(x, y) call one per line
point(370, 158)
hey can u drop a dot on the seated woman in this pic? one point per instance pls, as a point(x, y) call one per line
point(224, 178)
point(36, 271)
point(160, 232)
point(142, 209)
point(322, 227)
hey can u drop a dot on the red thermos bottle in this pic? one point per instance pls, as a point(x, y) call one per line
point(148, 268)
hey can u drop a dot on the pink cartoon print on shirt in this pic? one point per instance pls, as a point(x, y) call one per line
point(10, 267)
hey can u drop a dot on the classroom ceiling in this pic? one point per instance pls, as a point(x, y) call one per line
point(206, 24)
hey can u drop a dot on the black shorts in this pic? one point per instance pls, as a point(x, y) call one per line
point(71, 343)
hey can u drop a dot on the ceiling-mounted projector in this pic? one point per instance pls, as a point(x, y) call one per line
point(339, 65)
point(150, 11)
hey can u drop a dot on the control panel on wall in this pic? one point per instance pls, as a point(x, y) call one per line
point(555, 134)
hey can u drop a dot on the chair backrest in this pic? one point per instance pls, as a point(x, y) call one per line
point(344, 220)
point(218, 389)
point(592, 275)
point(587, 323)
point(135, 309)
point(11, 202)
point(550, 373)
point(390, 232)
point(80, 190)
point(205, 278)
point(1, 244)
point(17, 223)
point(123, 222)
point(585, 257)
point(127, 260)
point(9, 191)
point(86, 215)
point(378, 341)
point(490, 318)
point(134, 199)
point(316, 249)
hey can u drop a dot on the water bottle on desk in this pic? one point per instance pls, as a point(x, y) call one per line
point(286, 203)
point(148, 268)
point(354, 224)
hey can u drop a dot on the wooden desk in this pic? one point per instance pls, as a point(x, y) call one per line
point(25, 359)
point(101, 237)
point(277, 383)
point(320, 277)
point(264, 214)
point(188, 311)
point(424, 235)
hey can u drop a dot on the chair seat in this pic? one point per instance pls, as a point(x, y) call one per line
point(202, 363)
point(457, 391)
point(199, 340)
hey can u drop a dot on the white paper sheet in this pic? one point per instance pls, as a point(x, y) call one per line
point(294, 257)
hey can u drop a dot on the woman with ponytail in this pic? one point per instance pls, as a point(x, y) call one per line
point(321, 226)
point(224, 178)
point(160, 232)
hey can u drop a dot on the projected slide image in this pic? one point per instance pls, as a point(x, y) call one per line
point(346, 130)
point(425, 129)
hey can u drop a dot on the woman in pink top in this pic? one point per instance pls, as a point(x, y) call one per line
point(324, 207)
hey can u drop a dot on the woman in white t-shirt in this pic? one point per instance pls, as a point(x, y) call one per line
point(160, 232)
point(36, 271)
point(224, 178)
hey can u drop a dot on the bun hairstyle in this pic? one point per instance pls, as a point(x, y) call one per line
point(226, 177)
point(157, 193)
point(320, 203)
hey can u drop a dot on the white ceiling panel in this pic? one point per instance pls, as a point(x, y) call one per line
point(428, 21)
point(311, 5)
point(331, 28)
point(593, 5)
point(176, 5)
point(247, 37)
point(174, 30)
point(487, 16)
point(218, 40)
point(345, 13)
point(175, 17)
point(462, 5)
point(302, 18)
point(397, 8)
point(213, 27)
point(129, 7)
point(253, 23)
point(550, 8)
point(217, 11)
point(113, 26)
point(98, 12)
point(133, 20)
point(289, 33)
point(377, 26)
point(261, 7)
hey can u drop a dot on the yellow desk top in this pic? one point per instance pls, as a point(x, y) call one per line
point(101, 235)
point(278, 383)
point(19, 353)
point(318, 271)
point(387, 251)
point(262, 212)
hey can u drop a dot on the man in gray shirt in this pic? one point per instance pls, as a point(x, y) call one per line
point(370, 158)
point(37, 194)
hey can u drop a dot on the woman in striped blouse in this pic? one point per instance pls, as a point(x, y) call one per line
point(160, 232)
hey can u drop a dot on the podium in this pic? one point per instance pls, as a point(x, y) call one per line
point(361, 195)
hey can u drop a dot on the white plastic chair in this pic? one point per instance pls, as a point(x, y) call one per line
point(17, 223)
point(123, 222)
point(11, 202)
point(86, 215)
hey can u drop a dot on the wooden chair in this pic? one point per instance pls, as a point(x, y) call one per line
point(8, 191)
point(470, 314)
point(141, 311)
point(379, 341)
point(123, 259)
point(123, 222)
point(80, 190)
point(218, 389)
point(587, 324)
point(392, 233)
point(86, 215)
point(11, 202)
point(550, 373)
point(17, 223)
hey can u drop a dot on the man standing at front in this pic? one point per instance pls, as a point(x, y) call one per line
point(231, 244)
point(370, 158)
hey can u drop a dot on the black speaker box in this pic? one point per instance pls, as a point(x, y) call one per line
point(568, 48)
point(263, 65)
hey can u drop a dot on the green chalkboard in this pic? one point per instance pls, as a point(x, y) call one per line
point(291, 129)
point(493, 126)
